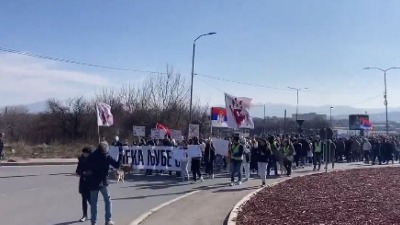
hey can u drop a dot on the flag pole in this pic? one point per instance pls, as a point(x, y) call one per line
point(98, 132)
point(97, 121)
point(211, 123)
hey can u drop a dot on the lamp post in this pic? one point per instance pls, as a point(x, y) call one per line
point(297, 97)
point(192, 75)
point(385, 91)
point(330, 115)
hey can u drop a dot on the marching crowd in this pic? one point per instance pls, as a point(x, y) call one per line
point(279, 154)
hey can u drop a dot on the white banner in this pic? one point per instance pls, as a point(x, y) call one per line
point(148, 157)
point(194, 130)
point(157, 134)
point(180, 154)
point(221, 146)
point(139, 131)
point(194, 151)
point(237, 110)
point(176, 134)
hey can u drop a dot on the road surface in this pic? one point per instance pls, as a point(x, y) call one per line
point(48, 195)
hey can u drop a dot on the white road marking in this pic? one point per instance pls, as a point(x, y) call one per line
point(142, 217)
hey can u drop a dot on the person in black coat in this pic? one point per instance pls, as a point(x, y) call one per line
point(263, 153)
point(99, 163)
point(209, 158)
point(83, 185)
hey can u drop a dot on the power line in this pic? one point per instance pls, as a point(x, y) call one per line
point(8, 50)
point(368, 99)
point(239, 82)
point(81, 63)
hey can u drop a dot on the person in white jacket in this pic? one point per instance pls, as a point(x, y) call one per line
point(246, 159)
point(366, 147)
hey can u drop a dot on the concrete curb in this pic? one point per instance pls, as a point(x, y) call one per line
point(237, 208)
point(37, 163)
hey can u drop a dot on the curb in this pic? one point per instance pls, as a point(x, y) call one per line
point(237, 208)
point(37, 163)
point(145, 215)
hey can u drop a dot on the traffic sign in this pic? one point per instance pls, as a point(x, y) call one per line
point(300, 122)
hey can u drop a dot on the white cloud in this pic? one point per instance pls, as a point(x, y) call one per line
point(25, 80)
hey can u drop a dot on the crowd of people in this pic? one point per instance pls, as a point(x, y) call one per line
point(261, 155)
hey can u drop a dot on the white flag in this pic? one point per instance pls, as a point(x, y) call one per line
point(238, 112)
point(104, 115)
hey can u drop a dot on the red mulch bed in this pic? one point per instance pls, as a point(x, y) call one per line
point(360, 196)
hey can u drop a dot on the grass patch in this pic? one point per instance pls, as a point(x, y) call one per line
point(21, 150)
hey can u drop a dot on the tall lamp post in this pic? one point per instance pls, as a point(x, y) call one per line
point(330, 115)
point(297, 104)
point(385, 92)
point(191, 83)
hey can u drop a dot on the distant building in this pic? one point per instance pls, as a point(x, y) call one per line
point(309, 116)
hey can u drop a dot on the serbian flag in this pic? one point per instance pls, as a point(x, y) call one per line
point(218, 117)
point(365, 124)
point(159, 126)
point(104, 115)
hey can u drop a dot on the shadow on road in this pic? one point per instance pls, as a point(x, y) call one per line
point(237, 189)
point(149, 196)
point(67, 223)
point(19, 176)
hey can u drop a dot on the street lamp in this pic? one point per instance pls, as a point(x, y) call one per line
point(297, 94)
point(330, 115)
point(385, 92)
point(191, 83)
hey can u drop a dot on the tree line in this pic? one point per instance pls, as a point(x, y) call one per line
point(162, 98)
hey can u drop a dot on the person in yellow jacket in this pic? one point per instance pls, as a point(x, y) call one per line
point(317, 153)
point(236, 159)
point(288, 153)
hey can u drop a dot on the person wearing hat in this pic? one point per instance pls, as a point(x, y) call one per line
point(99, 163)
point(83, 184)
point(236, 153)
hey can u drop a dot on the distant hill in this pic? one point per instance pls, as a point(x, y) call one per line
point(338, 112)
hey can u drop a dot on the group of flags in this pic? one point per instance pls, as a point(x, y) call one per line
point(106, 119)
point(235, 115)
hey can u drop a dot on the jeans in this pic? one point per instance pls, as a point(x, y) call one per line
point(272, 162)
point(196, 168)
point(262, 170)
point(288, 166)
point(85, 199)
point(184, 170)
point(246, 168)
point(317, 160)
point(210, 167)
point(93, 204)
point(236, 167)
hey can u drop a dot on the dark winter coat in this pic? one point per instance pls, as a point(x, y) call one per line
point(80, 169)
point(99, 164)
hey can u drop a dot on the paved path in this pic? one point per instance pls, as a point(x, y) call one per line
point(48, 195)
point(212, 206)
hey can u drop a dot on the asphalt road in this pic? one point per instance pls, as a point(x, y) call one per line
point(48, 195)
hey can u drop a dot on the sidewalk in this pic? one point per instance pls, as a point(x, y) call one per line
point(41, 162)
point(213, 205)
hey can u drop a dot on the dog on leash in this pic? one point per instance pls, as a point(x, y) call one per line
point(120, 173)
